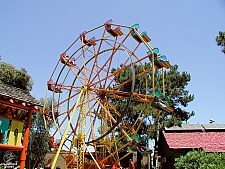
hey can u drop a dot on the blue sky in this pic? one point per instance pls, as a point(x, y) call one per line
point(34, 33)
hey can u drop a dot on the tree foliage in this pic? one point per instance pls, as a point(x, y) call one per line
point(38, 141)
point(38, 145)
point(18, 78)
point(200, 159)
point(175, 88)
point(220, 39)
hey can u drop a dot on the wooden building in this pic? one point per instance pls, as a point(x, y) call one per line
point(177, 141)
point(16, 108)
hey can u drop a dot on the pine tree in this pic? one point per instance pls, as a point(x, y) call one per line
point(175, 89)
point(220, 39)
point(38, 145)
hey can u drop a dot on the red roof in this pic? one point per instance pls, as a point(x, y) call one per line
point(210, 141)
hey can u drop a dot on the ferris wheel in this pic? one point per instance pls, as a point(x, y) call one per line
point(93, 86)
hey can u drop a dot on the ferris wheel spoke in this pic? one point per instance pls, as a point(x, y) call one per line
point(93, 113)
point(99, 69)
point(109, 67)
point(67, 99)
point(93, 71)
point(111, 118)
point(111, 45)
point(109, 60)
point(96, 56)
point(130, 79)
point(110, 76)
point(118, 114)
point(84, 71)
point(78, 77)
point(101, 41)
point(59, 124)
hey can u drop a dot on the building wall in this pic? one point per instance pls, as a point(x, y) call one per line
point(144, 160)
point(61, 161)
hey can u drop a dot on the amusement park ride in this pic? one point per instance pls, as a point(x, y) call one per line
point(84, 85)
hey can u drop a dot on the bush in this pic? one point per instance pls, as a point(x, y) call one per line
point(200, 159)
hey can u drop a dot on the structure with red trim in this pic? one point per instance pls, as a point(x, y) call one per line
point(177, 141)
point(16, 108)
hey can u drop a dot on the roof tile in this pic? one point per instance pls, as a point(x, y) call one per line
point(210, 141)
point(18, 94)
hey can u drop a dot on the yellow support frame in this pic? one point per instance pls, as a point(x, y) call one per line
point(83, 90)
point(81, 133)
